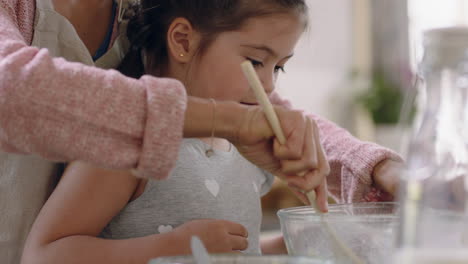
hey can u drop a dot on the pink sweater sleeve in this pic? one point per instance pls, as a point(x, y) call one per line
point(351, 161)
point(68, 111)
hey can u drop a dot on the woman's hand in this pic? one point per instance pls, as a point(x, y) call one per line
point(386, 175)
point(301, 161)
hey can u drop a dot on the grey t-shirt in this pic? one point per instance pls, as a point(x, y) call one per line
point(223, 186)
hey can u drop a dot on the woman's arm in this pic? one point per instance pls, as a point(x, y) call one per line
point(68, 111)
point(352, 162)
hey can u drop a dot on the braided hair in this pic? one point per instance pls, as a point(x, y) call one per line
point(147, 29)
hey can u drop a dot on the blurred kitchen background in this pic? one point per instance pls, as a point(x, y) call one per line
point(356, 65)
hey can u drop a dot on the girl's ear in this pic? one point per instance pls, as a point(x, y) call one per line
point(183, 40)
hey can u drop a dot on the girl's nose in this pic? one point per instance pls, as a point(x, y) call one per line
point(269, 84)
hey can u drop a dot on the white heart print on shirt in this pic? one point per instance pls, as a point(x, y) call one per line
point(255, 187)
point(164, 229)
point(212, 186)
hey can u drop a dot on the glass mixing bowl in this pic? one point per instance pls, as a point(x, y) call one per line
point(366, 229)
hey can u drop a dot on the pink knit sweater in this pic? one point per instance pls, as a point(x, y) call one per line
point(69, 111)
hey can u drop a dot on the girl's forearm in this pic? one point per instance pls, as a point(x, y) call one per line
point(87, 249)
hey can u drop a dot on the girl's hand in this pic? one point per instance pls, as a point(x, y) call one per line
point(323, 169)
point(301, 161)
point(218, 236)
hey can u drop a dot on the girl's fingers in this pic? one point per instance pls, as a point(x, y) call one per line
point(310, 181)
point(297, 167)
point(236, 229)
point(309, 159)
point(317, 198)
point(239, 242)
point(322, 197)
point(324, 170)
point(315, 179)
point(294, 127)
point(299, 194)
point(313, 161)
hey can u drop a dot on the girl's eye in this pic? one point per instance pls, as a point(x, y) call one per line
point(279, 68)
point(255, 63)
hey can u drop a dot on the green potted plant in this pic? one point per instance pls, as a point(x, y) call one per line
point(383, 100)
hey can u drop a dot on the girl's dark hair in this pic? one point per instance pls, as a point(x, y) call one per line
point(147, 29)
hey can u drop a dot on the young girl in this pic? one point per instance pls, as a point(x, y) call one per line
point(103, 216)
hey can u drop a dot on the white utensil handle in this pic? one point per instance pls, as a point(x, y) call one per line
point(263, 100)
